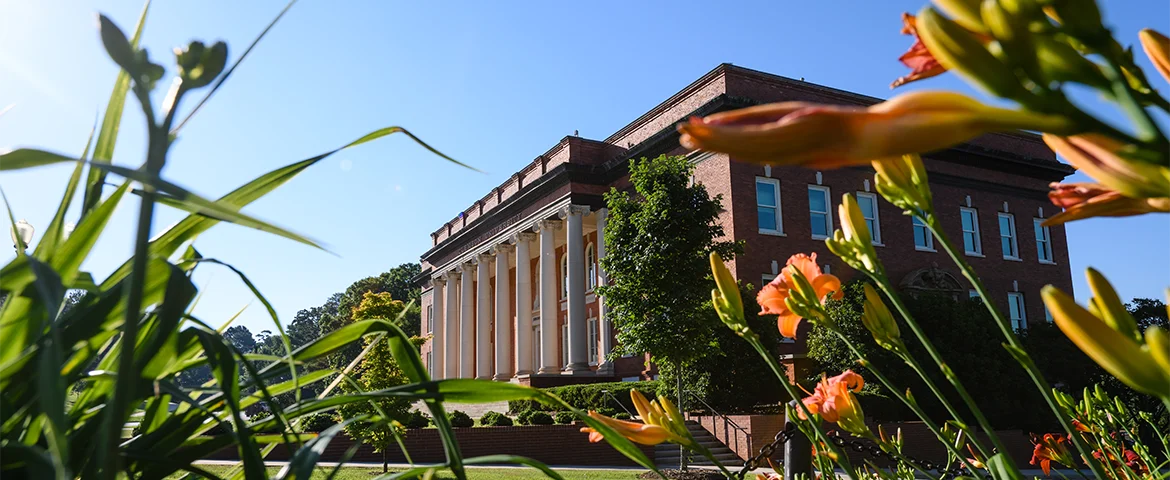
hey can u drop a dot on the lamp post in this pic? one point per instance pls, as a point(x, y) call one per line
point(22, 234)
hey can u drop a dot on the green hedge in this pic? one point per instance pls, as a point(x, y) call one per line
point(589, 396)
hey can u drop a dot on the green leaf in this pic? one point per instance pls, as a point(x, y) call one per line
point(305, 459)
point(111, 122)
point(186, 200)
point(52, 236)
point(1001, 468)
point(22, 158)
point(468, 390)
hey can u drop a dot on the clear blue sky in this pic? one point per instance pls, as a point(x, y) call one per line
point(492, 83)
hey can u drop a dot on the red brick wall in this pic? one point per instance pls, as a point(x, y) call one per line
point(551, 444)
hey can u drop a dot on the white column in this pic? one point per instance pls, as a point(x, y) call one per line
point(483, 317)
point(549, 356)
point(603, 327)
point(466, 322)
point(523, 304)
point(578, 330)
point(451, 332)
point(437, 339)
point(503, 323)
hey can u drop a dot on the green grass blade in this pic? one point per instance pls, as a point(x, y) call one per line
point(175, 196)
point(52, 236)
point(224, 369)
point(305, 459)
point(227, 73)
point(469, 390)
point(190, 227)
point(111, 122)
point(23, 158)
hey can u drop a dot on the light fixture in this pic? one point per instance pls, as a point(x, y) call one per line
point(22, 234)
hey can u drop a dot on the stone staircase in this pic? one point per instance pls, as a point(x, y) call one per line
point(666, 454)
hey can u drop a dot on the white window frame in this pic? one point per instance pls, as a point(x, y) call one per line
point(915, 224)
point(1021, 322)
point(875, 233)
point(775, 183)
point(1013, 234)
point(593, 338)
point(430, 366)
point(978, 251)
point(1043, 246)
point(430, 318)
point(565, 276)
point(590, 268)
point(828, 212)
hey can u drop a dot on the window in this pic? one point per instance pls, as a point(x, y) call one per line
point(972, 244)
point(1043, 241)
point(1047, 314)
point(768, 206)
point(972, 294)
point(922, 239)
point(820, 220)
point(869, 210)
point(1016, 309)
point(565, 344)
point(430, 318)
point(1007, 236)
point(430, 366)
point(536, 343)
point(590, 268)
point(592, 341)
point(766, 279)
point(565, 276)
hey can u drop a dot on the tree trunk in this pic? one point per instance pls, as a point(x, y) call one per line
point(385, 463)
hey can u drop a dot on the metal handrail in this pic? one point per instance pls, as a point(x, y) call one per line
point(726, 421)
point(618, 402)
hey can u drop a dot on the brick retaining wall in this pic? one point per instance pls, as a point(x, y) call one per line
point(551, 444)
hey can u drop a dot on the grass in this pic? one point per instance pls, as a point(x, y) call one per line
point(473, 473)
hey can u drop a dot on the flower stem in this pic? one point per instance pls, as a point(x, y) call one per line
point(930, 425)
point(754, 340)
point(1020, 354)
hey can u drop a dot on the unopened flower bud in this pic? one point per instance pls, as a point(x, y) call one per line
point(902, 182)
point(880, 322)
point(1157, 47)
point(1008, 22)
point(1080, 18)
point(957, 49)
point(964, 12)
point(1060, 62)
point(725, 297)
point(199, 65)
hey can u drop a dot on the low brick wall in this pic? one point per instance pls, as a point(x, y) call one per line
point(757, 431)
point(551, 444)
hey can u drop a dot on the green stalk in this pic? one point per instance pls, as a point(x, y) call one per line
point(1147, 129)
point(884, 284)
point(754, 340)
point(930, 425)
point(1021, 355)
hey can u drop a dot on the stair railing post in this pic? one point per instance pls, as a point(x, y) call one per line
point(682, 454)
point(797, 453)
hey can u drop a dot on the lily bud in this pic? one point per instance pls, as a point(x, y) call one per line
point(1157, 47)
point(1102, 158)
point(1080, 18)
point(957, 49)
point(1109, 306)
point(1133, 363)
point(725, 297)
point(199, 65)
point(1008, 22)
point(1060, 62)
point(880, 322)
point(852, 243)
point(965, 12)
point(902, 182)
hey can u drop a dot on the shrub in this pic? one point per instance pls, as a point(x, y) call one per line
point(524, 417)
point(590, 396)
point(564, 418)
point(318, 422)
point(607, 411)
point(495, 419)
point(540, 418)
point(460, 419)
point(622, 416)
point(417, 419)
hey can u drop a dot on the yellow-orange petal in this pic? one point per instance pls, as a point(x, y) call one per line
point(771, 299)
point(1157, 47)
point(825, 284)
point(788, 323)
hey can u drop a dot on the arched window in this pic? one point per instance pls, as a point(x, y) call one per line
point(565, 275)
point(590, 267)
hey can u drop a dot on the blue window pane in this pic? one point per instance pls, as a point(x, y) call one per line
point(872, 230)
point(816, 201)
point(968, 224)
point(969, 241)
point(920, 237)
point(765, 194)
point(819, 224)
point(866, 204)
point(767, 218)
point(1014, 306)
point(1040, 233)
point(1005, 226)
point(1006, 244)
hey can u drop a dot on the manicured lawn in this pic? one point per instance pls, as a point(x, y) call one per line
point(475, 473)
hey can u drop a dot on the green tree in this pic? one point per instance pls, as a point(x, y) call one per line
point(657, 243)
point(377, 370)
point(396, 282)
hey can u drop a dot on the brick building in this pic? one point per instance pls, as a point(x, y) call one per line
point(549, 216)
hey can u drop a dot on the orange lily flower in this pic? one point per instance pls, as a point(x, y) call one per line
point(921, 62)
point(642, 433)
point(771, 298)
point(834, 401)
point(1050, 448)
point(1157, 47)
point(832, 136)
point(1102, 158)
point(1087, 200)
